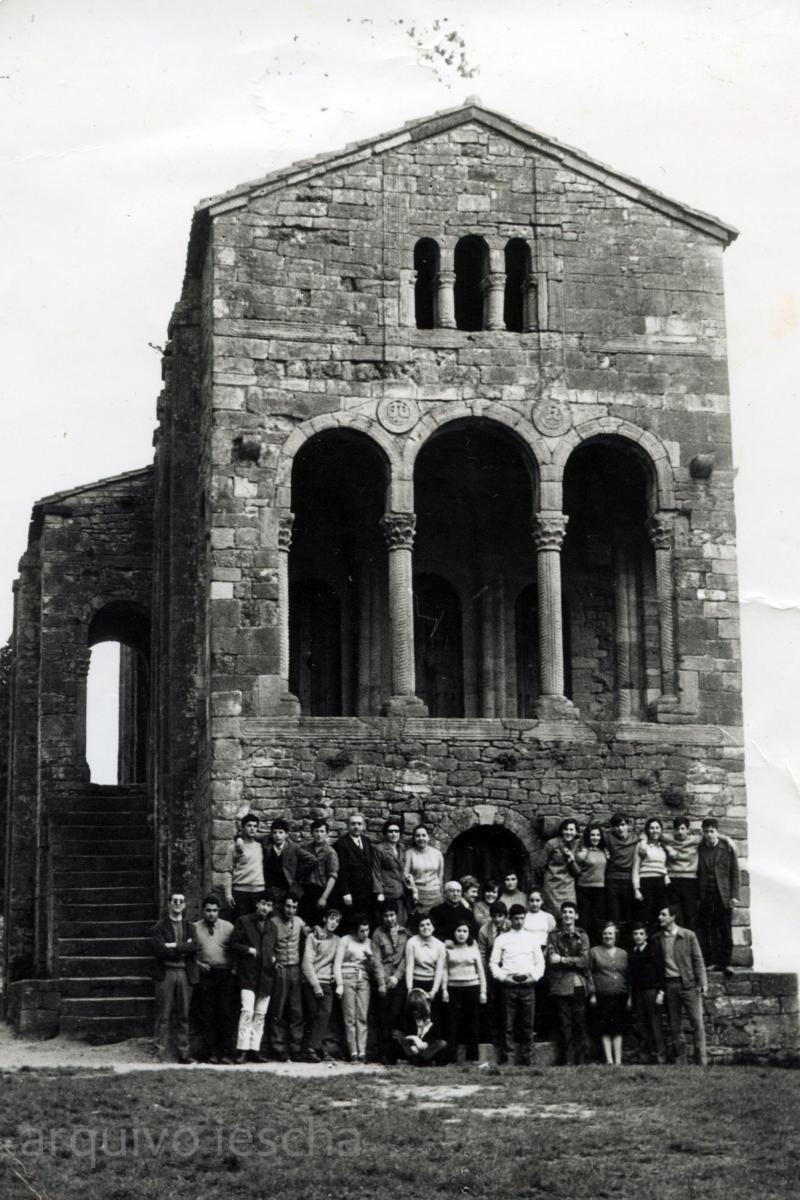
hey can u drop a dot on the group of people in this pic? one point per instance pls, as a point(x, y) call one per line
point(319, 935)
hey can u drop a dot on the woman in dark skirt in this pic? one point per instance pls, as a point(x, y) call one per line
point(608, 964)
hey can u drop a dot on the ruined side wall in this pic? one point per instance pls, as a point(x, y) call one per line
point(87, 548)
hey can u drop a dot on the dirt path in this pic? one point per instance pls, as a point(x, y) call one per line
point(22, 1054)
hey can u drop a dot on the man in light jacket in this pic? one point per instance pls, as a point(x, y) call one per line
point(684, 984)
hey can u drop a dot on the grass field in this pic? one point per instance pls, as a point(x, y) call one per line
point(654, 1133)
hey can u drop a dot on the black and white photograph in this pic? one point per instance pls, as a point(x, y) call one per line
point(399, 599)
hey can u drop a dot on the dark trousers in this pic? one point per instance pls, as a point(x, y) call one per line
point(683, 894)
point(647, 1023)
point(591, 911)
point(462, 1015)
point(654, 898)
point(687, 1002)
point(571, 1025)
point(714, 929)
point(216, 1000)
point(391, 1008)
point(286, 1011)
point(173, 996)
point(619, 902)
point(519, 1006)
point(317, 1010)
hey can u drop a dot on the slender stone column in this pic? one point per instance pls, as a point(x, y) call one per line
point(284, 546)
point(493, 287)
point(660, 530)
point(500, 672)
point(271, 693)
point(398, 530)
point(529, 306)
point(364, 643)
point(445, 300)
point(622, 633)
point(82, 662)
point(487, 676)
point(548, 531)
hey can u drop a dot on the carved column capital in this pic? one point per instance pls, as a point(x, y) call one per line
point(285, 532)
point(494, 281)
point(659, 529)
point(398, 529)
point(548, 530)
point(445, 279)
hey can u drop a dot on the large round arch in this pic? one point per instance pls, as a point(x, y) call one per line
point(474, 485)
point(488, 852)
point(338, 614)
point(534, 449)
point(650, 449)
point(360, 426)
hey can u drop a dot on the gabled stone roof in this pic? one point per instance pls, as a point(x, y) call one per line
point(470, 112)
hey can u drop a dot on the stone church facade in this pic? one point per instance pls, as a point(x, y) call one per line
point(440, 525)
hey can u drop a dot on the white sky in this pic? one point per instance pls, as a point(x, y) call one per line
point(117, 117)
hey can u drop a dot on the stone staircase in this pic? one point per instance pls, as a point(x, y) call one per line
point(104, 905)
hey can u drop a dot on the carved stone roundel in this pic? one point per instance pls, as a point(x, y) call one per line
point(551, 417)
point(397, 414)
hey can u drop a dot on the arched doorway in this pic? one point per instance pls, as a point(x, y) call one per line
point(488, 852)
point(117, 725)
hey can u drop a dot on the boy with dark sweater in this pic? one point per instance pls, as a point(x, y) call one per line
point(645, 973)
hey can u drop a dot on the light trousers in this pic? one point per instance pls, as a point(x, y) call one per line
point(355, 1009)
point(251, 1020)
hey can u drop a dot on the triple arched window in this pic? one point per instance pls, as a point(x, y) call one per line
point(472, 296)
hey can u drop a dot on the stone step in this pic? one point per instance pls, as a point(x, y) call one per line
point(117, 860)
point(116, 822)
point(102, 987)
point(99, 947)
point(89, 965)
point(73, 896)
point(70, 881)
point(68, 849)
point(100, 928)
point(107, 1006)
point(124, 801)
point(105, 1030)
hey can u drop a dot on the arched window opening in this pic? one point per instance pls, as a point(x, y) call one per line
point(471, 265)
point(608, 573)
point(315, 673)
point(488, 852)
point(518, 270)
point(474, 497)
point(437, 646)
point(426, 266)
point(338, 605)
point(118, 694)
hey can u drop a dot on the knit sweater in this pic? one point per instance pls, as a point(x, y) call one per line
point(463, 968)
point(353, 959)
point(609, 970)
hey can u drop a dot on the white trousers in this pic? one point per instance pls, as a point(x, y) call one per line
point(251, 1020)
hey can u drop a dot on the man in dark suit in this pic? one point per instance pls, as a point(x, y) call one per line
point(359, 883)
point(253, 944)
point(718, 895)
point(175, 972)
point(286, 864)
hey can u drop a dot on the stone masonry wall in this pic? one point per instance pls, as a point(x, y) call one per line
point(87, 548)
point(454, 774)
point(313, 318)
